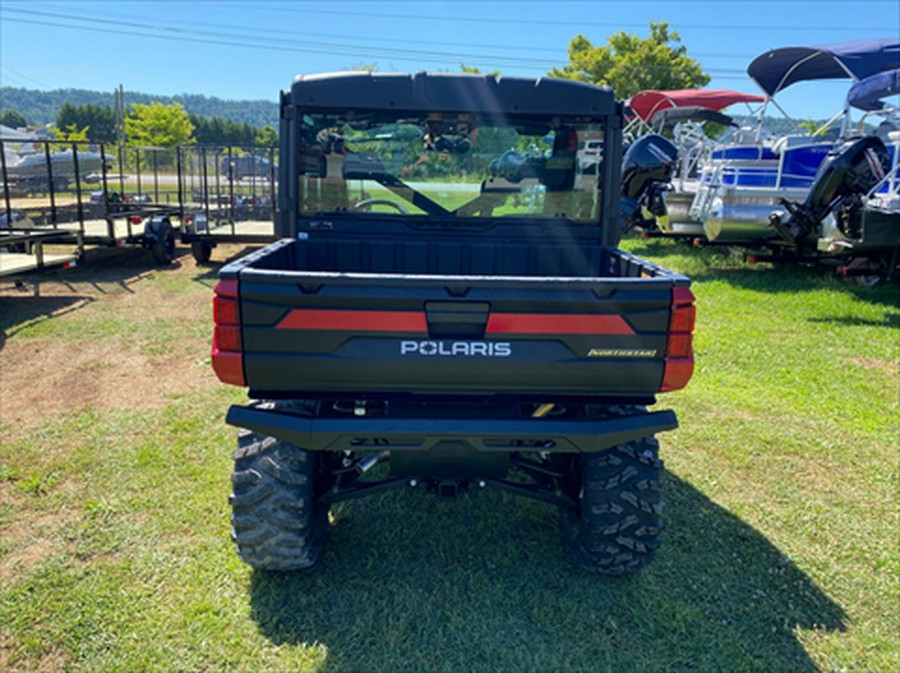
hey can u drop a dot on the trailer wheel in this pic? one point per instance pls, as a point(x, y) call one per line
point(614, 527)
point(161, 241)
point(202, 251)
point(858, 267)
point(276, 524)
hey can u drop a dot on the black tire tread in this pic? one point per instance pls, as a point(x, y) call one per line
point(615, 528)
point(163, 251)
point(275, 523)
point(201, 251)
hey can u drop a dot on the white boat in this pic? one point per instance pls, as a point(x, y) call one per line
point(854, 205)
point(879, 96)
point(57, 168)
point(743, 183)
point(685, 114)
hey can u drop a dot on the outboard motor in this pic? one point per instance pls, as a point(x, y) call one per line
point(647, 170)
point(848, 173)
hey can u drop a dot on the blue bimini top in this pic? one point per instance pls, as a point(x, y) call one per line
point(779, 68)
point(867, 93)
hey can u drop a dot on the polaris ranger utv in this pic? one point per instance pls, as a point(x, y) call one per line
point(448, 300)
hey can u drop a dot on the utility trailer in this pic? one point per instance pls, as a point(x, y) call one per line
point(103, 196)
point(200, 195)
point(448, 302)
point(22, 252)
point(227, 195)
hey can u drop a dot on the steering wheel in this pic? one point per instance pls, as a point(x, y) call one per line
point(366, 204)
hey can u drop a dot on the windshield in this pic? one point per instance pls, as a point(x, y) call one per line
point(450, 166)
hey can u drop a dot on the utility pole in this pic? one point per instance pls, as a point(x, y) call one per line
point(120, 125)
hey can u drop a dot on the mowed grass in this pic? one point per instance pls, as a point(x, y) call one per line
point(780, 552)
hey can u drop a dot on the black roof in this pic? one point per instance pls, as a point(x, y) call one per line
point(671, 116)
point(450, 92)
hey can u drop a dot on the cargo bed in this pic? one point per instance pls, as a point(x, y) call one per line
point(363, 318)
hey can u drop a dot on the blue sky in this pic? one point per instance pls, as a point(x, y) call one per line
point(251, 49)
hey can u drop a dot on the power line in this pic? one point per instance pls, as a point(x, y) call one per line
point(18, 75)
point(269, 32)
point(358, 49)
point(578, 24)
point(269, 43)
point(180, 34)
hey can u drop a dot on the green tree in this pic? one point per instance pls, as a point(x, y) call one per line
point(267, 135)
point(72, 134)
point(474, 70)
point(813, 127)
point(201, 128)
point(630, 64)
point(12, 119)
point(217, 131)
point(158, 125)
point(100, 120)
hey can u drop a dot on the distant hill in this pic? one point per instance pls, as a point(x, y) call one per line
point(41, 107)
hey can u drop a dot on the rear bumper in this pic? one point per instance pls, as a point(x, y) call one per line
point(423, 434)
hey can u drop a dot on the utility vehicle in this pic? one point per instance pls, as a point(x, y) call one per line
point(447, 310)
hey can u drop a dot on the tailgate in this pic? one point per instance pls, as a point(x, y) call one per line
point(358, 334)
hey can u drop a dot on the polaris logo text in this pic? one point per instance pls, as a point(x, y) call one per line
point(483, 349)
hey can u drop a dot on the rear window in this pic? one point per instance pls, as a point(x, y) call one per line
point(441, 165)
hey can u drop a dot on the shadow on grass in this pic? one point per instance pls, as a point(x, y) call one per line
point(480, 584)
point(42, 296)
point(212, 267)
point(19, 312)
point(730, 265)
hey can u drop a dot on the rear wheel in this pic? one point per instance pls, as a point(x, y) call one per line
point(615, 524)
point(276, 524)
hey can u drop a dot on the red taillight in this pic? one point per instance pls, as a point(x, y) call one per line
point(229, 367)
point(227, 356)
point(676, 374)
point(679, 365)
point(679, 346)
point(228, 338)
point(226, 311)
point(682, 319)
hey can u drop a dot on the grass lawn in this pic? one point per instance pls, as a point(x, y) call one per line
point(780, 552)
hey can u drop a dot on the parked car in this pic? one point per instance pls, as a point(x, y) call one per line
point(242, 166)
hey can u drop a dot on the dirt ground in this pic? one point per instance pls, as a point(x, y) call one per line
point(41, 378)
